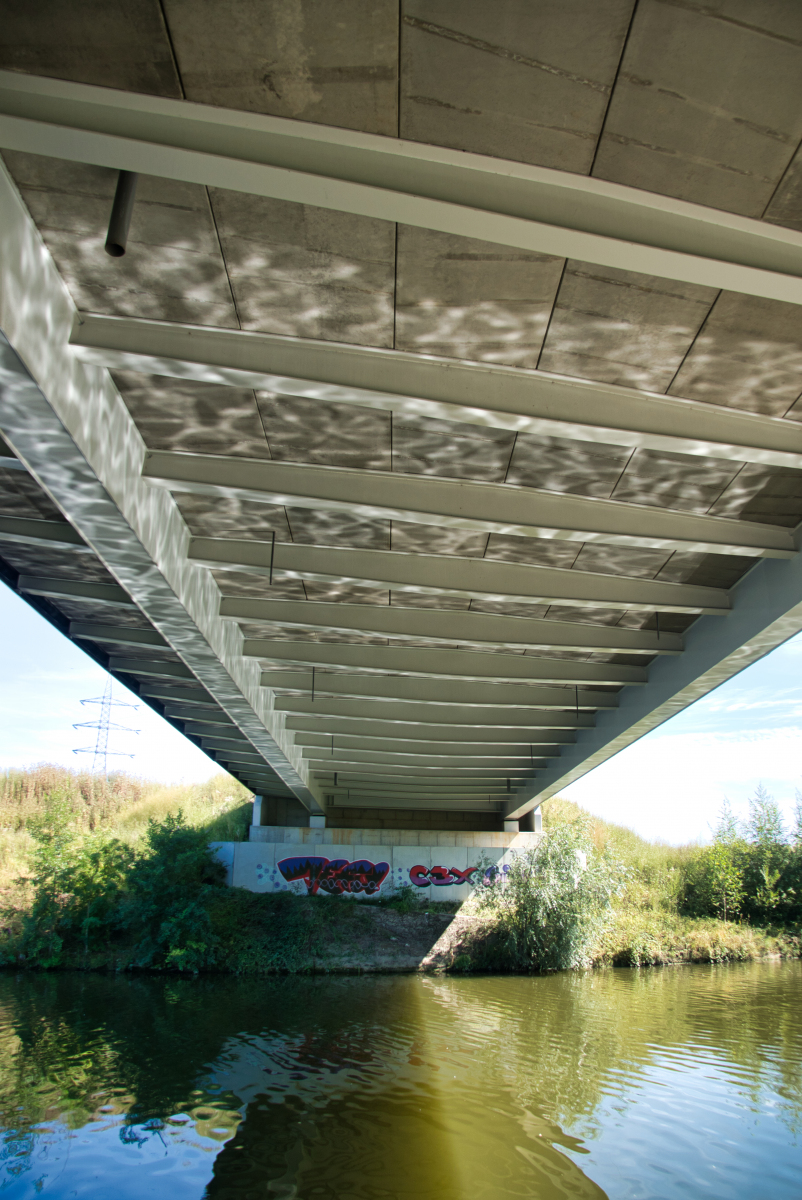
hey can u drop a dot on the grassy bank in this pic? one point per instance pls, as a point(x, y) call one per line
point(103, 874)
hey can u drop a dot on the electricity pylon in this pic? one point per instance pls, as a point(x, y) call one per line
point(101, 746)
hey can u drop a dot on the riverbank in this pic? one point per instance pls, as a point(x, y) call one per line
point(265, 935)
point(106, 875)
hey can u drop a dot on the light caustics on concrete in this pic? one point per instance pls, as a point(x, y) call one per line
point(387, 672)
point(471, 195)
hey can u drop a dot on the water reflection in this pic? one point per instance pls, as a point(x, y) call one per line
point(647, 1084)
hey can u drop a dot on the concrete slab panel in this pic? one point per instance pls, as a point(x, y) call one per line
point(346, 593)
point(748, 355)
point(240, 583)
point(560, 465)
point(620, 560)
point(692, 115)
point(233, 516)
point(224, 853)
point(173, 269)
point(307, 272)
point(464, 298)
point(110, 45)
point(768, 494)
point(318, 527)
point(677, 481)
point(303, 59)
point(253, 861)
point(332, 435)
point(433, 447)
point(194, 418)
point(512, 80)
point(21, 496)
point(432, 539)
point(622, 328)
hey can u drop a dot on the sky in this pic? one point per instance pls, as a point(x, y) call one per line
point(670, 785)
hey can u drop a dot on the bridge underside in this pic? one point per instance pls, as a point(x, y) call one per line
point(440, 432)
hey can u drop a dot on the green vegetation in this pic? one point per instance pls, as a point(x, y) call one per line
point(117, 874)
point(737, 899)
point(552, 904)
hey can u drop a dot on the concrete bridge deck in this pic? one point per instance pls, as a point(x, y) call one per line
point(440, 432)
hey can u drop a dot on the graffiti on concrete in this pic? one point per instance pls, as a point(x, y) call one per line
point(439, 876)
point(335, 876)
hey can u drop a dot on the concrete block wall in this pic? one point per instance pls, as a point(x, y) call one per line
point(352, 817)
point(367, 863)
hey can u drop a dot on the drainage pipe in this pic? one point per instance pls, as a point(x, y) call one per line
point(121, 212)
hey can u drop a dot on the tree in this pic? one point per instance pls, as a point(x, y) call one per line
point(725, 882)
point(796, 829)
point(727, 830)
point(765, 827)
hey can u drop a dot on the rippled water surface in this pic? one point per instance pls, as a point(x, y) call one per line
point(672, 1083)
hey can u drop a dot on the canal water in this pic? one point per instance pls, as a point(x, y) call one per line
point(666, 1083)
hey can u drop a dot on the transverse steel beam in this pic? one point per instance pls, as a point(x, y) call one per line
point(426, 624)
point(449, 575)
point(437, 663)
point(346, 757)
point(320, 745)
point(439, 691)
point(30, 531)
point(463, 504)
point(414, 712)
point(71, 589)
point(416, 385)
point(510, 203)
point(117, 635)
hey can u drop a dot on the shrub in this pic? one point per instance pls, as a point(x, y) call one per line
point(553, 900)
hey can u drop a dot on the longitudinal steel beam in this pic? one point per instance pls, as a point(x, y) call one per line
point(448, 575)
point(436, 663)
point(66, 422)
point(511, 203)
point(463, 504)
point(71, 589)
point(416, 385)
point(310, 732)
point(766, 611)
point(405, 713)
point(465, 628)
point(439, 691)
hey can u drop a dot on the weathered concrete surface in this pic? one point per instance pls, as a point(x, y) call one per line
point(465, 298)
point(337, 65)
point(706, 105)
point(618, 327)
point(489, 78)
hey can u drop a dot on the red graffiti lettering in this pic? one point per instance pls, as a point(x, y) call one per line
point(335, 876)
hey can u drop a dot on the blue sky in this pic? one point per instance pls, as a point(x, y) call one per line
point(669, 785)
